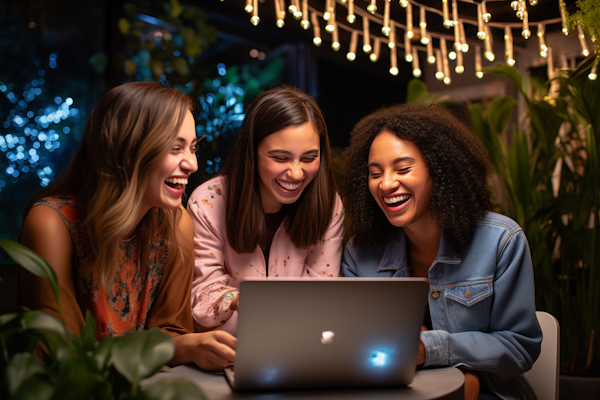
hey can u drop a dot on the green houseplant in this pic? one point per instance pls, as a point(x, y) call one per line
point(41, 359)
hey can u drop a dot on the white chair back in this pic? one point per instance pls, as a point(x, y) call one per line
point(543, 376)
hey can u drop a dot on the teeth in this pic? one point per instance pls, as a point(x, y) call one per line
point(397, 199)
point(181, 181)
point(288, 186)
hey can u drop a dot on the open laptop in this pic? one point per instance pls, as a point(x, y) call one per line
point(343, 332)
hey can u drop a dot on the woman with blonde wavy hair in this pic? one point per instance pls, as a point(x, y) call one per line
point(113, 228)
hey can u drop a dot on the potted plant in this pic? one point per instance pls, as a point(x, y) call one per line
point(41, 359)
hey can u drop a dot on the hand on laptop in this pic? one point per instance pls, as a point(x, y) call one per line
point(211, 351)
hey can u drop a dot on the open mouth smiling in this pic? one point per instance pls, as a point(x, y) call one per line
point(176, 183)
point(396, 200)
point(291, 186)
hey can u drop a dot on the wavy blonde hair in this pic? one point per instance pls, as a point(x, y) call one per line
point(130, 130)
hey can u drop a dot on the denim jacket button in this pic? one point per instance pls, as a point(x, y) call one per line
point(435, 294)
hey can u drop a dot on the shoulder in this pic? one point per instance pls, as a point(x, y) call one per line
point(209, 195)
point(497, 228)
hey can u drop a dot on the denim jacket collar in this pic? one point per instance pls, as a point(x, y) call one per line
point(395, 255)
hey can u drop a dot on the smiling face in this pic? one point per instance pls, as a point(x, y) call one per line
point(399, 181)
point(288, 160)
point(167, 180)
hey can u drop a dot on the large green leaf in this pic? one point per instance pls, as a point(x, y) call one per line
point(87, 333)
point(20, 368)
point(43, 322)
point(137, 355)
point(103, 352)
point(416, 91)
point(33, 263)
point(172, 389)
point(507, 72)
point(499, 113)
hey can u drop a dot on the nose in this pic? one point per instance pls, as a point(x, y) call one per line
point(295, 172)
point(189, 163)
point(388, 181)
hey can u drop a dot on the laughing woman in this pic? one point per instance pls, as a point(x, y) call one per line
point(274, 211)
point(113, 228)
point(419, 205)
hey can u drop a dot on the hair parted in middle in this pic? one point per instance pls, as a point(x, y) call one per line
point(458, 168)
point(307, 219)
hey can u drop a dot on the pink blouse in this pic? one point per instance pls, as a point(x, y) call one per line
point(219, 269)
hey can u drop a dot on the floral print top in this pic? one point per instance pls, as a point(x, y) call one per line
point(219, 269)
point(127, 305)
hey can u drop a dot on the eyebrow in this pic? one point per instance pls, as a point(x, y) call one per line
point(313, 151)
point(396, 161)
point(182, 140)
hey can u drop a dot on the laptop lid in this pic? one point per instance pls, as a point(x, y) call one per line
point(343, 332)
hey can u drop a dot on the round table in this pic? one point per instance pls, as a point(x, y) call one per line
point(428, 384)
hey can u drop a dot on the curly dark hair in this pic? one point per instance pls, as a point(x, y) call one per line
point(458, 167)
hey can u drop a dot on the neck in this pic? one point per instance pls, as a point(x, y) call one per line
point(423, 245)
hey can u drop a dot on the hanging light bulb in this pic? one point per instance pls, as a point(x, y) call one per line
point(392, 39)
point(550, 64)
point(292, 7)
point(393, 61)
point(298, 13)
point(459, 69)
point(446, 15)
point(403, 3)
point(351, 56)
point(514, 4)
point(439, 74)
point(423, 26)
point(249, 6)
point(565, 30)
point(407, 48)
point(374, 56)
point(366, 36)
point(254, 19)
point(372, 8)
point(316, 29)
point(430, 56)
point(478, 70)
point(489, 54)
point(409, 21)
point(280, 14)
point(543, 47)
point(526, 33)
point(335, 38)
point(415, 63)
point(584, 48)
point(331, 20)
point(326, 14)
point(463, 38)
point(484, 13)
point(351, 17)
point(304, 23)
point(452, 55)
point(533, 2)
point(445, 61)
point(385, 29)
point(480, 27)
point(593, 73)
point(457, 43)
point(508, 46)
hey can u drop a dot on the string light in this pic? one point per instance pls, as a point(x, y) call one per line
point(445, 66)
point(331, 20)
point(452, 55)
point(543, 47)
point(351, 17)
point(561, 5)
point(415, 64)
point(304, 23)
point(446, 15)
point(254, 19)
point(478, 69)
point(372, 8)
point(351, 56)
point(249, 6)
point(374, 56)
point(409, 21)
point(385, 29)
point(298, 13)
point(366, 36)
point(392, 39)
point(526, 33)
point(327, 13)
point(584, 48)
point(403, 3)
point(439, 74)
point(393, 61)
point(459, 69)
point(489, 54)
point(423, 26)
point(316, 29)
point(457, 43)
point(480, 27)
point(463, 38)
point(280, 14)
point(484, 13)
point(292, 7)
point(335, 38)
point(550, 65)
point(521, 9)
point(508, 45)
point(593, 75)
point(454, 13)
point(430, 56)
point(407, 48)
point(533, 2)
point(514, 4)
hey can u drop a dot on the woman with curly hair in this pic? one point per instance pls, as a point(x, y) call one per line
point(418, 204)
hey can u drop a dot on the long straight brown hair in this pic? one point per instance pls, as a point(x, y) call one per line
point(307, 219)
point(131, 128)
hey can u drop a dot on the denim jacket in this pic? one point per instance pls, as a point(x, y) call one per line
point(481, 302)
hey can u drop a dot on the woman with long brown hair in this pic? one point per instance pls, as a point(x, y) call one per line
point(273, 210)
point(113, 228)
